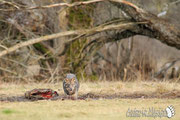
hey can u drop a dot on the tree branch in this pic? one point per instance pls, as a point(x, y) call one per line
point(70, 33)
point(52, 5)
point(162, 30)
point(153, 27)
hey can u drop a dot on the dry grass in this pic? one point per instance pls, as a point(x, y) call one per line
point(87, 109)
point(99, 88)
point(79, 110)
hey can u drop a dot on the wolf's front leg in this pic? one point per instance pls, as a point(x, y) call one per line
point(75, 96)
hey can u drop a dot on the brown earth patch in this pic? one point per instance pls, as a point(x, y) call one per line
point(169, 95)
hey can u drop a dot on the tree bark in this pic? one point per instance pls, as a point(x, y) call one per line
point(160, 29)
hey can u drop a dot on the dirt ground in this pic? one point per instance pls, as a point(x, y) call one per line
point(100, 90)
point(101, 100)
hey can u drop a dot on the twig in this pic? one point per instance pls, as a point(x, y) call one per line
point(2, 46)
point(56, 5)
point(10, 3)
point(165, 67)
point(6, 70)
point(51, 79)
point(175, 2)
point(16, 62)
point(65, 4)
point(72, 5)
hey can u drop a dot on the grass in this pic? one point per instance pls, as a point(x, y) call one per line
point(91, 109)
point(99, 88)
point(105, 109)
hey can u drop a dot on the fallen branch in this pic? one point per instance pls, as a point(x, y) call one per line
point(162, 30)
point(70, 33)
point(163, 70)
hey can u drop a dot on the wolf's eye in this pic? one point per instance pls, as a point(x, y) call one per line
point(73, 80)
point(67, 80)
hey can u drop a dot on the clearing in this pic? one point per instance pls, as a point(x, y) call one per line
point(102, 100)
